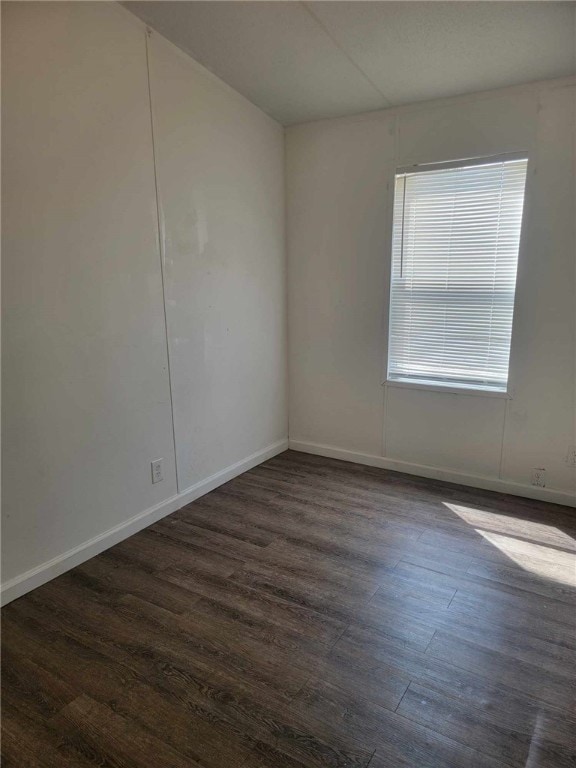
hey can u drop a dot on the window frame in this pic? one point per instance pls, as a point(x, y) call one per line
point(450, 387)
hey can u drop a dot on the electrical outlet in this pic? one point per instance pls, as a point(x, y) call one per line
point(571, 456)
point(538, 477)
point(157, 470)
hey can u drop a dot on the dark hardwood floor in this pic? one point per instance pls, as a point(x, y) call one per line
point(308, 613)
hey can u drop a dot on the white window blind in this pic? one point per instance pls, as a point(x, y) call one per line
point(454, 255)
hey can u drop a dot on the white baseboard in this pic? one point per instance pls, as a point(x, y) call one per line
point(35, 577)
point(448, 475)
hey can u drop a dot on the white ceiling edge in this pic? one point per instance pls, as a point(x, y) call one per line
point(507, 91)
point(299, 64)
point(123, 7)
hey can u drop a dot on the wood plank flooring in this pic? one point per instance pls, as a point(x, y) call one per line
point(309, 613)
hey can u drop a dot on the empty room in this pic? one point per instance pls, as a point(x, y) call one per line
point(288, 384)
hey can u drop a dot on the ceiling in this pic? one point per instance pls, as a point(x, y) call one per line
point(307, 61)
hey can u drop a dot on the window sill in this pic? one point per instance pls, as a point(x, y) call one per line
point(449, 389)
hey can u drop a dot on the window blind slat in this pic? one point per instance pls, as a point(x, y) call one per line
point(455, 244)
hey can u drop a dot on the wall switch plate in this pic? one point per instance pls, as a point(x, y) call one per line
point(157, 470)
point(538, 477)
point(571, 456)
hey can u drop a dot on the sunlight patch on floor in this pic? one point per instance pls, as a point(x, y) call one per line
point(506, 524)
point(548, 560)
point(539, 559)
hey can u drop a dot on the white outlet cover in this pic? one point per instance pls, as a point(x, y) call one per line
point(538, 477)
point(157, 470)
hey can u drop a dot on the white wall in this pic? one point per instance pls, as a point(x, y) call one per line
point(86, 389)
point(339, 182)
point(220, 169)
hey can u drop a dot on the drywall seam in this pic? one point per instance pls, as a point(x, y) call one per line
point(35, 577)
point(161, 252)
point(573, 86)
point(287, 291)
point(503, 440)
point(437, 473)
point(386, 288)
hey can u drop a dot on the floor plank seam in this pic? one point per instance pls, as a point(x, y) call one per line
point(452, 598)
point(429, 643)
point(402, 697)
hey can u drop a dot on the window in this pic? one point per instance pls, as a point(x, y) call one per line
point(454, 255)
